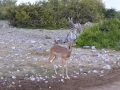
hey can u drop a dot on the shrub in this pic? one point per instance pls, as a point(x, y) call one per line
point(35, 16)
point(105, 34)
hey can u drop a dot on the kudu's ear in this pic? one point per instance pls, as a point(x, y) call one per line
point(71, 18)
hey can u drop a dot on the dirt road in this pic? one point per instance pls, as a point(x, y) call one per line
point(111, 81)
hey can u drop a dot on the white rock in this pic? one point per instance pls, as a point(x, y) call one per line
point(74, 76)
point(13, 82)
point(12, 65)
point(18, 70)
point(106, 67)
point(49, 86)
point(35, 59)
point(107, 59)
point(81, 69)
point(42, 66)
point(2, 78)
point(16, 54)
point(89, 71)
point(20, 85)
point(101, 75)
point(79, 64)
point(60, 66)
point(62, 80)
point(56, 66)
point(16, 60)
point(46, 81)
point(2, 42)
point(93, 47)
point(53, 77)
point(77, 73)
point(46, 77)
point(41, 78)
point(1, 57)
point(95, 71)
point(118, 63)
point(33, 41)
point(118, 58)
point(67, 77)
point(38, 79)
point(104, 51)
point(13, 47)
point(103, 61)
point(114, 62)
point(22, 60)
point(9, 72)
point(32, 78)
point(102, 71)
point(13, 77)
point(85, 73)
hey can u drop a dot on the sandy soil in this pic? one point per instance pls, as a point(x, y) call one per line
point(22, 67)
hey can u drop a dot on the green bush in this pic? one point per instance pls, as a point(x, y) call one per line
point(4, 6)
point(105, 34)
point(34, 16)
point(53, 14)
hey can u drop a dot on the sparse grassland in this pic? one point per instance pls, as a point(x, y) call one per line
point(19, 58)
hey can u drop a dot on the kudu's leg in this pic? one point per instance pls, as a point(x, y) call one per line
point(67, 69)
point(54, 60)
point(50, 58)
point(62, 68)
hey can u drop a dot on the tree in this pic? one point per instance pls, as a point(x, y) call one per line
point(110, 13)
point(4, 5)
point(53, 14)
point(91, 10)
point(118, 15)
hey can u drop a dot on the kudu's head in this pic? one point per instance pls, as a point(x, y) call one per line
point(70, 43)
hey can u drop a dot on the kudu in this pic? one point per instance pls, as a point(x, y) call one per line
point(59, 51)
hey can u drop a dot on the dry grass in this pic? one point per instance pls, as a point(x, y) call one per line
point(36, 66)
point(39, 53)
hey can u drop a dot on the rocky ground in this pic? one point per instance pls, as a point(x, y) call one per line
point(23, 57)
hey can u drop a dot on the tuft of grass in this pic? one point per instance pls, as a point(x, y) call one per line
point(28, 73)
point(47, 37)
point(39, 53)
point(105, 34)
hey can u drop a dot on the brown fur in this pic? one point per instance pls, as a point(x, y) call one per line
point(62, 52)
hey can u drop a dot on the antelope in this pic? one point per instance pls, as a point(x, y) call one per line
point(59, 51)
point(74, 28)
